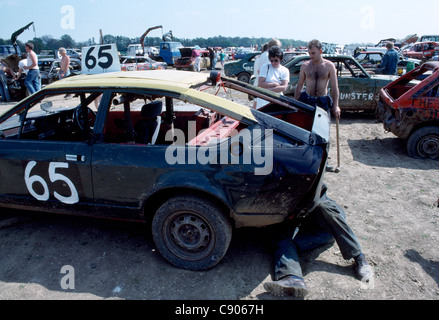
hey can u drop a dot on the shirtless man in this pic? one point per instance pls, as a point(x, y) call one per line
point(316, 74)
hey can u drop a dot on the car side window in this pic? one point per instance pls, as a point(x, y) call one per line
point(57, 117)
point(159, 120)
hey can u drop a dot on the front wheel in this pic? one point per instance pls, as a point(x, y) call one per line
point(244, 77)
point(191, 233)
point(424, 143)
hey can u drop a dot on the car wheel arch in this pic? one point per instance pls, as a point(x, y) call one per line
point(155, 200)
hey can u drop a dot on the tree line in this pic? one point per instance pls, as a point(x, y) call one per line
point(47, 42)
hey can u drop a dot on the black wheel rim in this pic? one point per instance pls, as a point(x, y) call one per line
point(428, 146)
point(188, 236)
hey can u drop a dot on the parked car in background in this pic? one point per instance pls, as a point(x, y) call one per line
point(6, 50)
point(242, 52)
point(185, 62)
point(434, 38)
point(409, 108)
point(423, 50)
point(137, 63)
point(243, 68)
point(359, 90)
point(403, 51)
point(125, 159)
point(49, 69)
point(371, 60)
point(74, 53)
point(288, 56)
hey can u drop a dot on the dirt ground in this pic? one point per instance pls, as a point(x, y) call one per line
point(391, 202)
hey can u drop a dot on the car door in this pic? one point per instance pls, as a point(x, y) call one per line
point(41, 166)
point(356, 87)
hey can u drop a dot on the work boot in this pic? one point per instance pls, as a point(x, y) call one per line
point(362, 268)
point(288, 286)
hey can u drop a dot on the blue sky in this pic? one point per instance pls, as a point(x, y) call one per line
point(335, 21)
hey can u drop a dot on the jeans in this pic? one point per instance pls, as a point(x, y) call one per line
point(4, 90)
point(324, 102)
point(33, 81)
point(324, 225)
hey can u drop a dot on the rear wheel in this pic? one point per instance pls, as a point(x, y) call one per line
point(424, 143)
point(191, 233)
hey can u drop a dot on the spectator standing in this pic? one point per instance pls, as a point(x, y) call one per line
point(273, 76)
point(222, 57)
point(64, 64)
point(390, 60)
point(33, 78)
point(196, 58)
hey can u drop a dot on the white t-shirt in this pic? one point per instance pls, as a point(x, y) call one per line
point(274, 74)
point(259, 62)
point(29, 61)
point(22, 64)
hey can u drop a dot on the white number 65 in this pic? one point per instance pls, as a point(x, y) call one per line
point(30, 180)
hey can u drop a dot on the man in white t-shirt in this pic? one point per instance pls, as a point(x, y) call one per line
point(273, 76)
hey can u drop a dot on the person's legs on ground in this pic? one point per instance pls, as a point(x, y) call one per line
point(333, 218)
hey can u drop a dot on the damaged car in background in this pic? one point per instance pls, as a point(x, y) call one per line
point(138, 63)
point(409, 108)
point(359, 90)
point(185, 62)
point(164, 147)
point(49, 71)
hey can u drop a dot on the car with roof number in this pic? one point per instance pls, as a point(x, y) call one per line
point(165, 147)
point(409, 108)
point(359, 90)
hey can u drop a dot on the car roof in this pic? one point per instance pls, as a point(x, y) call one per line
point(180, 82)
point(325, 56)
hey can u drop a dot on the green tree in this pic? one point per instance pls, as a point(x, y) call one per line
point(67, 41)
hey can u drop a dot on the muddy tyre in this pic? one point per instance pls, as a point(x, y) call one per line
point(424, 143)
point(191, 233)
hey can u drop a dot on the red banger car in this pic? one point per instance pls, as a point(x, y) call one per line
point(423, 50)
point(409, 108)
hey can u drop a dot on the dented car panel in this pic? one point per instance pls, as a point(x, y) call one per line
point(359, 90)
point(409, 105)
point(130, 143)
